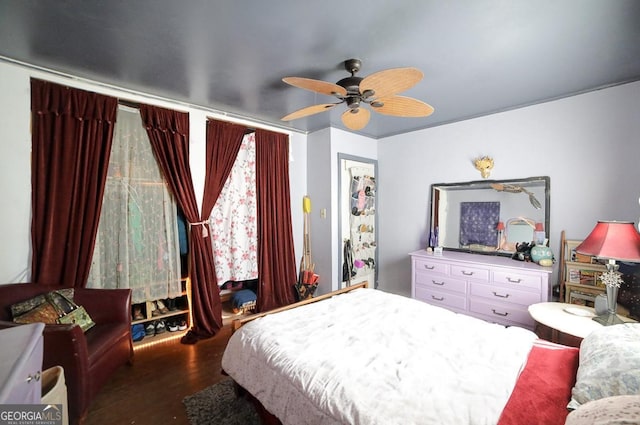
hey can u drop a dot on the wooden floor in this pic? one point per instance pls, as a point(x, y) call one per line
point(151, 390)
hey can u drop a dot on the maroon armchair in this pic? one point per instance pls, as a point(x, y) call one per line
point(89, 359)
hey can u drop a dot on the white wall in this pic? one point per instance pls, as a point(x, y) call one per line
point(15, 160)
point(15, 174)
point(588, 145)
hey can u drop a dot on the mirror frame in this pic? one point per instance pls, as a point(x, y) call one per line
point(486, 184)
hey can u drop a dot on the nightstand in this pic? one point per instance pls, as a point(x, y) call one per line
point(564, 323)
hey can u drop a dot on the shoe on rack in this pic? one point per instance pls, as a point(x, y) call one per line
point(161, 307)
point(182, 326)
point(172, 326)
point(138, 332)
point(150, 329)
point(137, 313)
point(160, 327)
point(154, 309)
point(171, 304)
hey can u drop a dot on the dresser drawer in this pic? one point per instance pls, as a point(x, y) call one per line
point(468, 272)
point(533, 281)
point(502, 313)
point(507, 294)
point(426, 265)
point(438, 282)
point(442, 299)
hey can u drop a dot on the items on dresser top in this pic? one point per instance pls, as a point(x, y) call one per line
point(492, 288)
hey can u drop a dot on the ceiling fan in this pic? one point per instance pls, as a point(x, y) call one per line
point(379, 90)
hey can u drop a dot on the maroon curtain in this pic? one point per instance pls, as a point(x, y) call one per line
point(223, 144)
point(276, 256)
point(72, 131)
point(169, 135)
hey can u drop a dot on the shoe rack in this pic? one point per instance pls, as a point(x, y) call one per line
point(161, 315)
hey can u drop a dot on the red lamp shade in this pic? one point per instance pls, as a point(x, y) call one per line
point(500, 225)
point(617, 240)
point(539, 227)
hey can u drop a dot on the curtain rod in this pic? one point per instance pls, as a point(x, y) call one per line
point(231, 116)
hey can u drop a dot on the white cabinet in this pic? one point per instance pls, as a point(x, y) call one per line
point(21, 364)
point(493, 288)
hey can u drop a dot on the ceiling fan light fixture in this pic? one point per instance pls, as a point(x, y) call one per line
point(368, 93)
point(353, 102)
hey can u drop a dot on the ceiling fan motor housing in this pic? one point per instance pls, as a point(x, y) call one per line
point(351, 84)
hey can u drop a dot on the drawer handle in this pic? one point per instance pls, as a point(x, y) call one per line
point(500, 296)
point(437, 298)
point(514, 280)
point(467, 273)
point(429, 267)
point(435, 282)
point(499, 314)
point(35, 377)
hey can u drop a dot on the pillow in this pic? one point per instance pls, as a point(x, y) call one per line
point(609, 364)
point(243, 300)
point(544, 386)
point(22, 307)
point(618, 410)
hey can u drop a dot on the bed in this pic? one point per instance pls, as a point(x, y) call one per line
point(370, 357)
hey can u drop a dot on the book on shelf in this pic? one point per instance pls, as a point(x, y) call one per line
point(582, 298)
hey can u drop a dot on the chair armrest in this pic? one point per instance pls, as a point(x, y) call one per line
point(106, 305)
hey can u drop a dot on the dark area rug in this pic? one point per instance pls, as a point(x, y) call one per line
point(219, 405)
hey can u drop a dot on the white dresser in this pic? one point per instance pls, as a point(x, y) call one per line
point(492, 288)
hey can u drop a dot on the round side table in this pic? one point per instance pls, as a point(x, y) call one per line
point(563, 323)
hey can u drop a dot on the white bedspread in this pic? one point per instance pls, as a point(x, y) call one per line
point(369, 357)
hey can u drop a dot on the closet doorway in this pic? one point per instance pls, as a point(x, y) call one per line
point(357, 220)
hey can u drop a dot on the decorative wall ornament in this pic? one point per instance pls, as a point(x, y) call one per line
point(484, 165)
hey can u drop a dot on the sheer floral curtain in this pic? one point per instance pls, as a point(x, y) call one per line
point(233, 220)
point(137, 243)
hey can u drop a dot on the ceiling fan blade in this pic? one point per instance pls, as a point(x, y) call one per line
point(391, 81)
point(309, 110)
point(402, 106)
point(356, 120)
point(316, 86)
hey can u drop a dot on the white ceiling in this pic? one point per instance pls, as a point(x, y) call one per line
point(478, 56)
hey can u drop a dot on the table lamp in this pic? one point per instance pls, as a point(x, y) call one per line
point(612, 240)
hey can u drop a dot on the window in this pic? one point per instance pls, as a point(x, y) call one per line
point(137, 242)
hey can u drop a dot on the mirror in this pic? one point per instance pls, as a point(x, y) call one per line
point(358, 220)
point(489, 216)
